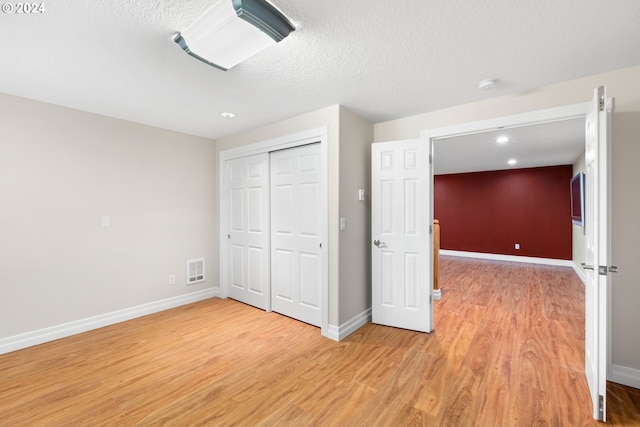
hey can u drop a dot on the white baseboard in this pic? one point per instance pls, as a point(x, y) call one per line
point(338, 333)
point(626, 376)
point(510, 258)
point(580, 272)
point(18, 342)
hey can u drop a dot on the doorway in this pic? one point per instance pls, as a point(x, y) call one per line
point(597, 119)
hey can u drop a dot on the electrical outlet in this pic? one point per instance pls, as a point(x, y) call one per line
point(172, 279)
point(517, 245)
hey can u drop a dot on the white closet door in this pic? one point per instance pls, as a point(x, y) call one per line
point(248, 234)
point(295, 233)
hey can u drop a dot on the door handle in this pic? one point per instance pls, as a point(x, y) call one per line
point(379, 244)
point(587, 267)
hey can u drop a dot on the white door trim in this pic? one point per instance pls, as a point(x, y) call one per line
point(280, 143)
point(516, 120)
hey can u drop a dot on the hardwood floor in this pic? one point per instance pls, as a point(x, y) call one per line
point(508, 350)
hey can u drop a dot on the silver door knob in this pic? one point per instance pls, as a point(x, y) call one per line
point(376, 242)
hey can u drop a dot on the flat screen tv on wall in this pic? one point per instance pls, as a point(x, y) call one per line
point(577, 199)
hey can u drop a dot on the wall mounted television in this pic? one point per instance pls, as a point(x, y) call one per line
point(577, 199)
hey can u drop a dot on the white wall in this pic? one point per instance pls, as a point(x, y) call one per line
point(625, 286)
point(356, 135)
point(61, 170)
point(624, 86)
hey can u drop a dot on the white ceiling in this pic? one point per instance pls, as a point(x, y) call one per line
point(548, 144)
point(382, 59)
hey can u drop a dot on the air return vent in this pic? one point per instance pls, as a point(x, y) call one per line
point(195, 270)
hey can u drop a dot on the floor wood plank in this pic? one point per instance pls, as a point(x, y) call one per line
point(507, 350)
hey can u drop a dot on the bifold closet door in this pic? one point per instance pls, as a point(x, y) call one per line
point(295, 233)
point(248, 234)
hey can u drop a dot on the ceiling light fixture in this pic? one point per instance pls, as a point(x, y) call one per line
point(502, 139)
point(512, 162)
point(228, 115)
point(231, 31)
point(487, 84)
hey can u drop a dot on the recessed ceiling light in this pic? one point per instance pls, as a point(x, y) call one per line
point(512, 161)
point(487, 84)
point(227, 115)
point(502, 139)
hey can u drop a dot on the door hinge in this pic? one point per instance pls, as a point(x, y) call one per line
point(601, 407)
point(601, 105)
point(430, 159)
point(603, 270)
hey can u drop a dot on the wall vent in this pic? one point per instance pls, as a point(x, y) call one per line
point(195, 270)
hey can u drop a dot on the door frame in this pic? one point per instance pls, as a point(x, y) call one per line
point(566, 112)
point(316, 135)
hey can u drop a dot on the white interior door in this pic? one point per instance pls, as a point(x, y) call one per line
point(248, 234)
point(597, 256)
point(402, 250)
point(296, 263)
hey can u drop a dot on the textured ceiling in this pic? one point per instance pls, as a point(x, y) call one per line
point(382, 59)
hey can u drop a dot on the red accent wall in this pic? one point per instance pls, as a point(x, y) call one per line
point(490, 212)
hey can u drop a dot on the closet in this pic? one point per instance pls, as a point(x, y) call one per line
point(274, 233)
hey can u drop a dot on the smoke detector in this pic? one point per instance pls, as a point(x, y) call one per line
point(487, 84)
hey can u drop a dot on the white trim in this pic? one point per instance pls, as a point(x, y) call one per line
point(510, 258)
point(517, 120)
point(279, 143)
point(580, 272)
point(338, 333)
point(18, 342)
point(624, 375)
point(319, 134)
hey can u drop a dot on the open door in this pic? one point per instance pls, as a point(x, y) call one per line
point(598, 249)
point(402, 278)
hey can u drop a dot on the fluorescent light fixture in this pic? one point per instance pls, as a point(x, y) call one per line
point(502, 139)
point(231, 31)
point(512, 162)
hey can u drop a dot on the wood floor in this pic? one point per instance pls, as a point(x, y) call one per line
point(508, 350)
